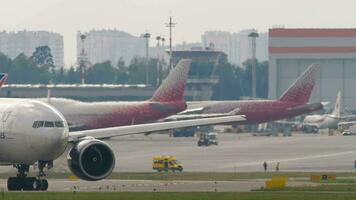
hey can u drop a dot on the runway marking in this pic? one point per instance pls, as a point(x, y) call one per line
point(237, 164)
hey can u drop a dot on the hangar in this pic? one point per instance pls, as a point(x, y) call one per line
point(291, 51)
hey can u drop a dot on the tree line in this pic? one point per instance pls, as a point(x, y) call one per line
point(39, 69)
point(234, 81)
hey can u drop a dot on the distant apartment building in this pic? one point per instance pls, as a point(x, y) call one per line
point(110, 45)
point(237, 46)
point(14, 43)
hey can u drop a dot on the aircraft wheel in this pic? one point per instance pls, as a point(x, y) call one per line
point(30, 184)
point(44, 185)
point(36, 184)
point(14, 184)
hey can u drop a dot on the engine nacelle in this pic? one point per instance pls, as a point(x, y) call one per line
point(91, 160)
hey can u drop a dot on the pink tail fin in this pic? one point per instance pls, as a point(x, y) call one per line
point(302, 88)
point(3, 78)
point(172, 88)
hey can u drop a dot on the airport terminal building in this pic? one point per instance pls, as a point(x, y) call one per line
point(291, 51)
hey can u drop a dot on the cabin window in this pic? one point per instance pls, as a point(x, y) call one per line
point(35, 124)
point(40, 124)
point(59, 124)
point(48, 124)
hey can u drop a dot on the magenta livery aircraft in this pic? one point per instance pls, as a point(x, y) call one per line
point(293, 102)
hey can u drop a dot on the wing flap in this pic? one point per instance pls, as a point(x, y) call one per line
point(195, 116)
point(200, 116)
point(192, 111)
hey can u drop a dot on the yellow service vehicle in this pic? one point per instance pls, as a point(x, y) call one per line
point(166, 163)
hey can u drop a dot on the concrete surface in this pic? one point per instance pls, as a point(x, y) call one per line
point(240, 153)
point(235, 153)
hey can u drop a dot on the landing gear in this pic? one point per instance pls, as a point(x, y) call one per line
point(41, 181)
point(26, 184)
point(22, 182)
point(40, 184)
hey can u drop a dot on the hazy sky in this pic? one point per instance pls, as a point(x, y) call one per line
point(193, 16)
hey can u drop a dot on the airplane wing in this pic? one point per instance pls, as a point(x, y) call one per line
point(345, 125)
point(284, 122)
point(190, 115)
point(348, 118)
point(325, 103)
point(145, 128)
point(307, 107)
point(192, 111)
point(3, 78)
point(194, 116)
point(310, 124)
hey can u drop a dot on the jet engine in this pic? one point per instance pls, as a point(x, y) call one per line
point(91, 159)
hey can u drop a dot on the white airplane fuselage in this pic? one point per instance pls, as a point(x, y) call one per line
point(322, 121)
point(20, 142)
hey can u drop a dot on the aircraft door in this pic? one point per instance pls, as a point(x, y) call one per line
point(3, 125)
point(4, 134)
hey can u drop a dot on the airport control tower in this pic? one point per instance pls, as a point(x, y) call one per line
point(202, 71)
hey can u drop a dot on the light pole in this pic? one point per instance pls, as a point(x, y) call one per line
point(161, 61)
point(147, 37)
point(253, 35)
point(158, 38)
point(82, 59)
point(163, 40)
point(170, 25)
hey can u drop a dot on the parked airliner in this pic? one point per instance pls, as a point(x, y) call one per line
point(293, 102)
point(329, 121)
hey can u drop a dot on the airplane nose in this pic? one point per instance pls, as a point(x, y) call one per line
point(56, 134)
point(59, 135)
point(57, 141)
point(42, 138)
